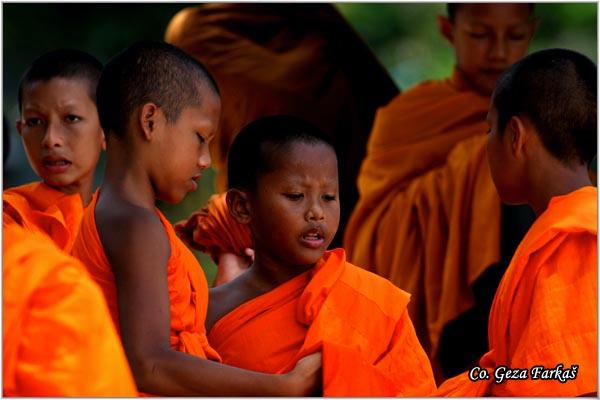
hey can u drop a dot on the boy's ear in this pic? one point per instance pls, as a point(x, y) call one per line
point(239, 207)
point(519, 131)
point(19, 125)
point(148, 119)
point(103, 140)
point(446, 28)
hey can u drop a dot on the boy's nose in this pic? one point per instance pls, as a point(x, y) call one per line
point(499, 49)
point(53, 136)
point(315, 212)
point(204, 160)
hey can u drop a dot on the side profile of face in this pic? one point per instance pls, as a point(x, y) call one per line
point(295, 209)
point(61, 132)
point(182, 149)
point(503, 165)
point(487, 39)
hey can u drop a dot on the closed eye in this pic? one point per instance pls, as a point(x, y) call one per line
point(201, 138)
point(294, 196)
point(329, 197)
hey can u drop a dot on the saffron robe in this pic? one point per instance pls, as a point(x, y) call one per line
point(357, 319)
point(428, 217)
point(43, 209)
point(58, 339)
point(188, 289)
point(545, 310)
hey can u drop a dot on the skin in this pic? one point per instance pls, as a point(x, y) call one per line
point(299, 198)
point(158, 159)
point(61, 133)
point(523, 171)
point(487, 39)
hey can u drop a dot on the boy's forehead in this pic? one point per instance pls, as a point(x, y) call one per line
point(482, 13)
point(60, 87)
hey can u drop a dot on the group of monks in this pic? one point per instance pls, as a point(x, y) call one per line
point(103, 297)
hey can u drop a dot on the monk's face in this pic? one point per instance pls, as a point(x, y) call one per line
point(487, 39)
point(181, 152)
point(295, 209)
point(505, 169)
point(61, 132)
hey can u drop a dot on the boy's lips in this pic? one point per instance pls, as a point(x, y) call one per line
point(55, 164)
point(194, 180)
point(313, 238)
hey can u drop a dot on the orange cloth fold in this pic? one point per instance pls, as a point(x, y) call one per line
point(188, 289)
point(545, 310)
point(428, 217)
point(58, 338)
point(214, 231)
point(357, 319)
point(40, 208)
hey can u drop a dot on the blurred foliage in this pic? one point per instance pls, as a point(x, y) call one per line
point(403, 36)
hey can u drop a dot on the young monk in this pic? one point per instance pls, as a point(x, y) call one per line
point(296, 297)
point(428, 217)
point(542, 135)
point(160, 109)
point(61, 133)
point(58, 339)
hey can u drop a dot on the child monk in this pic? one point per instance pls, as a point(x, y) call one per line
point(58, 338)
point(160, 109)
point(428, 217)
point(543, 324)
point(61, 133)
point(296, 297)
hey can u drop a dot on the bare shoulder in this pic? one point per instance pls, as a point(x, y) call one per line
point(227, 297)
point(131, 235)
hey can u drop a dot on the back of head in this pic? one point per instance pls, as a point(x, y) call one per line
point(64, 63)
point(255, 148)
point(556, 90)
point(146, 72)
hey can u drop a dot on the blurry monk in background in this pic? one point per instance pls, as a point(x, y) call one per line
point(428, 217)
point(297, 297)
point(296, 59)
point(63, 139)
point(58, 338)
point(543, 127)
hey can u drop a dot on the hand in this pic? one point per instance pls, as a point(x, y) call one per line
point(231, 265)
point(305, 379)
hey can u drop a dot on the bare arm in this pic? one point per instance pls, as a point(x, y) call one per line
point(137, 247)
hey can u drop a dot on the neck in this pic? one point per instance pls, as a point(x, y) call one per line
point(268, 273)
point(83, 188)
point(126, 177)
point(559, 181)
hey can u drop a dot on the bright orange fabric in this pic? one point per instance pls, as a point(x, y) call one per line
point(40, 208)
point(545, 309)
point(188, 289)
point(428, 217)
point(214, 231)
point(58, 339)
point(359, 321)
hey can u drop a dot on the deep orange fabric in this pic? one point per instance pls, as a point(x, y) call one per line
point(545, 310)
point(188, 289)
point(214, 231)
point(41, 208)
point(357, 319)
point(428, 217)
point(58, 338)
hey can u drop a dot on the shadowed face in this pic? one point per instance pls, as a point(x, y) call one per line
point(488, 38)
point(61, 132)
point(295, 209)
point(182, 152)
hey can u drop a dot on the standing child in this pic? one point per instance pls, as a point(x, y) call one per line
point(297, 297)
point(160, 109)
point(543, 320)
point(62, 136)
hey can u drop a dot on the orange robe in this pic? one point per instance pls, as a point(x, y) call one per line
point(298, 59)
point(58, 339)
point(214, 231)
point(545, 309)
point(359, 320)
point(188, 289)
point(428, 217)
point(40, 208)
